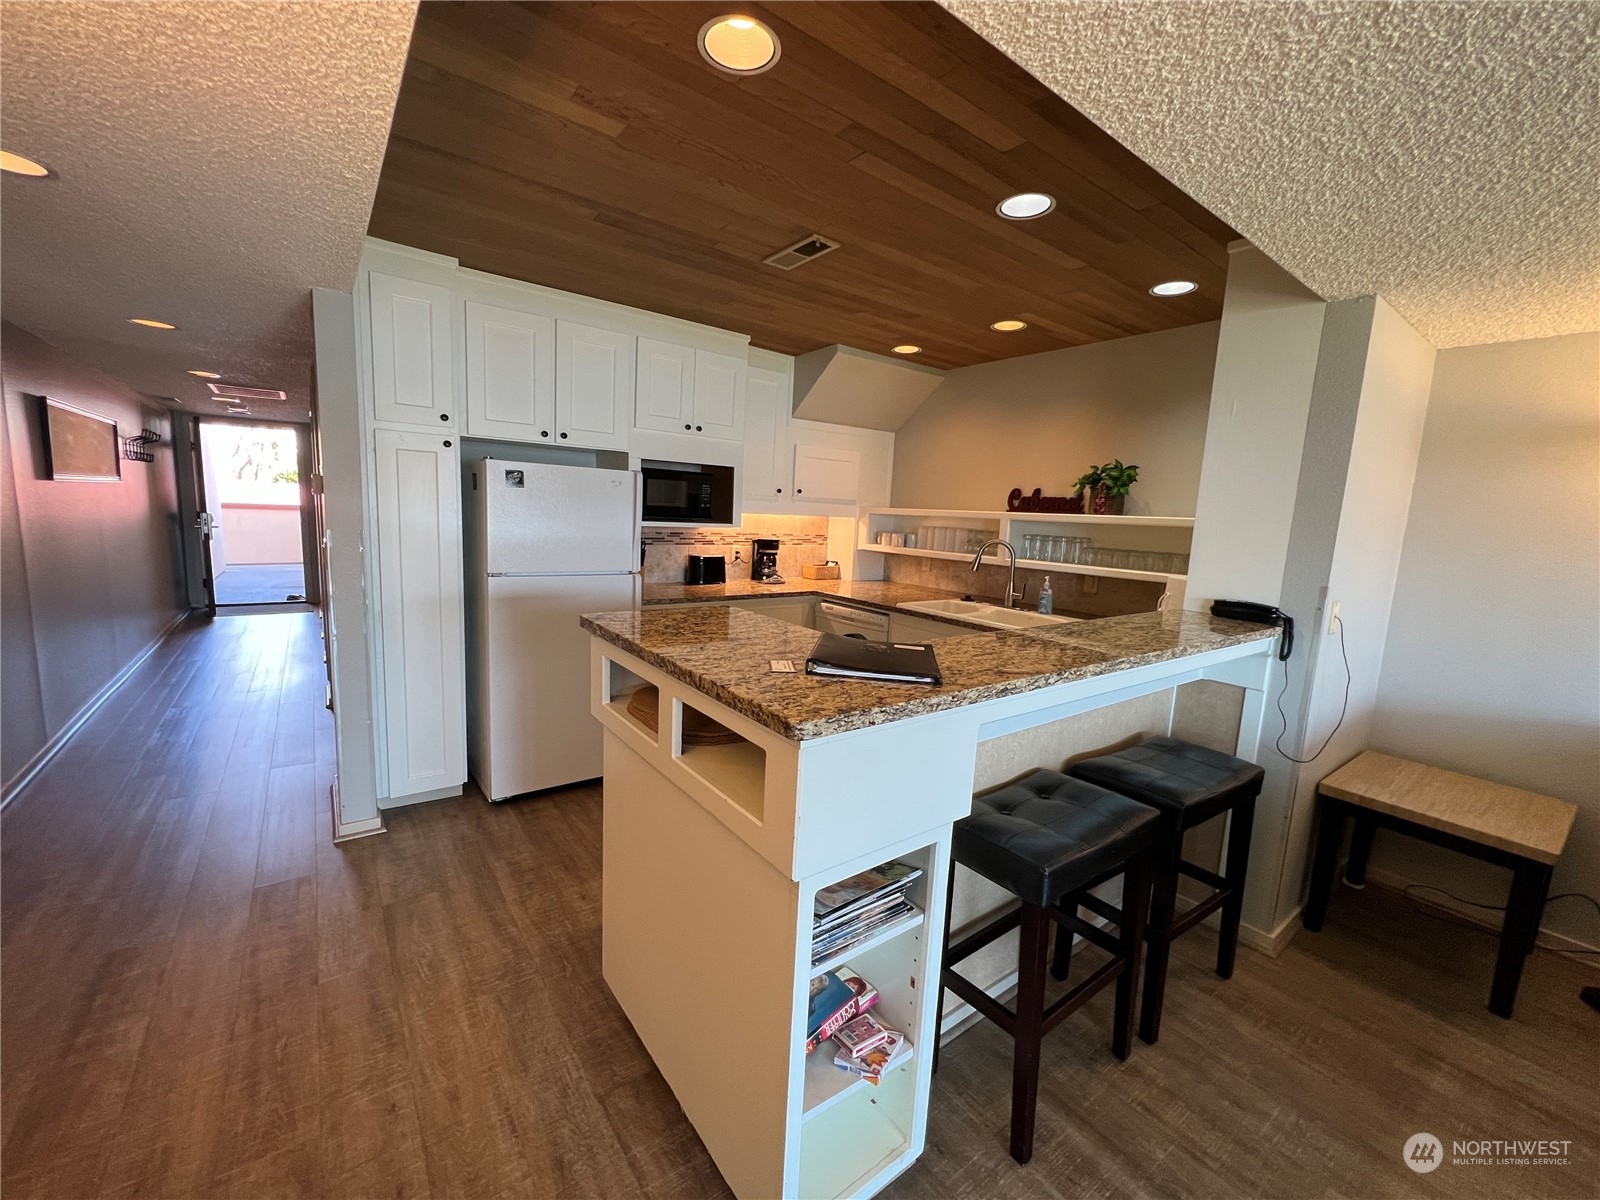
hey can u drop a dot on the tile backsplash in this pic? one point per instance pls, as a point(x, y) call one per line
point(1109, 597)
point(804, 540)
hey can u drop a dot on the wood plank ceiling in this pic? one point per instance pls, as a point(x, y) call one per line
point(590, 147)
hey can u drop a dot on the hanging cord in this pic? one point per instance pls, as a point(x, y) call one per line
point(1343, 708)
point(1439, 912)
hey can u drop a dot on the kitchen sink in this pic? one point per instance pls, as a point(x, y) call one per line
point(979, 613)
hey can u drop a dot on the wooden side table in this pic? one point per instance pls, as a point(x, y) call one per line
point(1512, 828)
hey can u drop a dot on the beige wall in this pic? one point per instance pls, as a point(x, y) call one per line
point(1492, 665)
point(1039, 421)
point(91, 571)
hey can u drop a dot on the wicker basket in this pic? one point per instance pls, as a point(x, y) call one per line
point(698, 729)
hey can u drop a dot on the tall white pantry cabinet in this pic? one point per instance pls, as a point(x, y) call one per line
point(407, 371)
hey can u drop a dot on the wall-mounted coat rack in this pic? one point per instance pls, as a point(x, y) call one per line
point(138, 449)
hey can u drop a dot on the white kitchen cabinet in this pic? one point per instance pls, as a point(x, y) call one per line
point(511, 374)
point(766, 459)
point(684, 390)
point(410, 338)
point(719, 391)
point(417, 492)
point(594, 386)
point(827, 475)
point(664, 394)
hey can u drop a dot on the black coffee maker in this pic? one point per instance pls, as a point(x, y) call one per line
point(764, 560)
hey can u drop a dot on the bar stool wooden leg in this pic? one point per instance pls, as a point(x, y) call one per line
point(1163, 906)
point(949, 907)
point(1032, 966)
point(1240, 823)
point(1135, 912)
point(1061, 963)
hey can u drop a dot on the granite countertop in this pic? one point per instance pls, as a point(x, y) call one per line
point(868, 593)
point(726, 652)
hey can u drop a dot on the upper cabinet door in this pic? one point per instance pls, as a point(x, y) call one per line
point(766, 411)
point(719, 383)
point(411, 343)
point(594, 386)
point(665, 395)
point(824, 475)
point(511, 374)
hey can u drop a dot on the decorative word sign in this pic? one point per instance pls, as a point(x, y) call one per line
point(1017, 502)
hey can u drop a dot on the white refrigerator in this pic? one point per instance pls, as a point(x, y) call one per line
point(545, 544)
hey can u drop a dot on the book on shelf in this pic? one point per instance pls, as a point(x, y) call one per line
point(837, 997)
point(853, 933)
point(852, 910)
point(861, 1034)
point(871, 1064)
point(868, 885)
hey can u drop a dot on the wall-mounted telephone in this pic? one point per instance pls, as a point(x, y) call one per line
point(1259, 614)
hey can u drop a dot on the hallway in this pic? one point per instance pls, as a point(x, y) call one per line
point(203, 997)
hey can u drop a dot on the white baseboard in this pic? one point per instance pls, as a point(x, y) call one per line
point(348, 831)
point(51, 748)
point(1395, 882)
point(1271, 942)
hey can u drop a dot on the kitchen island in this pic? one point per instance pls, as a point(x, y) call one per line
point(715, 848)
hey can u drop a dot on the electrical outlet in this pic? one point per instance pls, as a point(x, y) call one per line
point(1333, 618)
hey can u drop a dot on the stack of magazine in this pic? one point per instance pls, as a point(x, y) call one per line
point(846, 913)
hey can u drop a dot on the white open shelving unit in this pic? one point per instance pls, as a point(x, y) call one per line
point(1165, 534)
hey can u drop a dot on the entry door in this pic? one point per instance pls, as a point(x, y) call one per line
point(195, 521)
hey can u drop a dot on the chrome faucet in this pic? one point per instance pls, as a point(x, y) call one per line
point(1012, 595)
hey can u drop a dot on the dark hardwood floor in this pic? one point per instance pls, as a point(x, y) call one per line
point(202, 997)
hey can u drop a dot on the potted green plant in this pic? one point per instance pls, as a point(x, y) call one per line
point(1115, 480)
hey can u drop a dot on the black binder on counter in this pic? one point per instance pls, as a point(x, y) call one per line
point(891, 662)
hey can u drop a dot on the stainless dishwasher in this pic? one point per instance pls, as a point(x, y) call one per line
point(852, 622)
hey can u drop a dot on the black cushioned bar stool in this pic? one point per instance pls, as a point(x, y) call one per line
point(1046, 839)
point(1189, 785)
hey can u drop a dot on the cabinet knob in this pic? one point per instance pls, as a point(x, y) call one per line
point(544, 433)
point(447, 443)
point(686, 427)
point(444, 416)
point(563, 435)
point(697, 429)
point(797, 491)
point(780, 491)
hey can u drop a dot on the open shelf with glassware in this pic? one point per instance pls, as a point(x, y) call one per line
point(1152, 549)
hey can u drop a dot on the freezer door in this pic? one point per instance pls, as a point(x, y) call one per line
point(536, 664)
point(550, 520)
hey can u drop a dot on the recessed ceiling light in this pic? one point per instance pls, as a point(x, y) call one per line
point(908, 349)
point(205, 375)
point(739, 45)
point(1008, 326)
point(1174, 287)
point(150, 323)
point(15, 164)
point(1024, 206)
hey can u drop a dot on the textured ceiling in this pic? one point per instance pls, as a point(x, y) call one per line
point(1441, 155)
point(214, 161)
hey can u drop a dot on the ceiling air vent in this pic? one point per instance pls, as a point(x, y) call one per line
point(239, 393)
point(802, 251)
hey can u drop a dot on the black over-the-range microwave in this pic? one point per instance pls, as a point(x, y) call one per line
point(694, 495)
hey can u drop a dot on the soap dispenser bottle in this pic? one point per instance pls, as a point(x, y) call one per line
point(1047, 600)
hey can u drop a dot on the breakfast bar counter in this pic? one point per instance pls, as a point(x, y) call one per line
point(737, 793)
